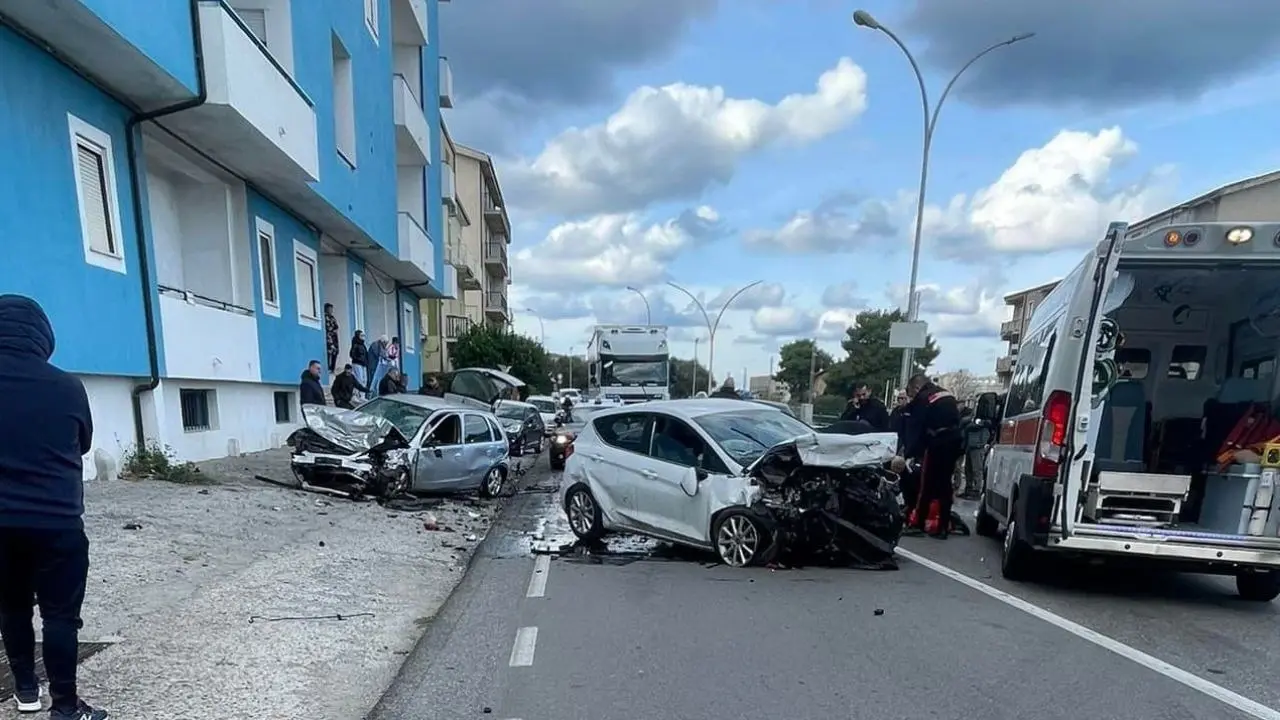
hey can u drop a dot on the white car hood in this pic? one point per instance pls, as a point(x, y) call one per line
point(834, 450)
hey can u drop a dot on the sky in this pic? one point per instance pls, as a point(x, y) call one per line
point(714, 144)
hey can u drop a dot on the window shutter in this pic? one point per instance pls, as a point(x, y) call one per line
point(256, 20)
point(267, 255)
point(93, 191)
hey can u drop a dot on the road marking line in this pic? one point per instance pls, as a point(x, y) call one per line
point(538, 582)
point(1251, 708)
point(526, 643)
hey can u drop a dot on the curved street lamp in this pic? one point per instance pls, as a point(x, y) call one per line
point(862, 18)
point(711, 326)
point(648, 314)
point(541, 326)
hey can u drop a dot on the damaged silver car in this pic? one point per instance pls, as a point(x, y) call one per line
point(748, 482)
point(400, 443)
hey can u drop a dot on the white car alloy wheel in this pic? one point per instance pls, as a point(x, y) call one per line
point(582, 513)
point(737, 541)
point(493, 482)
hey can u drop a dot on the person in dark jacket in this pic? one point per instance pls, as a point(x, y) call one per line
point(359, 355)
point(344, 388)
point(898, 415)
point(727, 391)
point(978, 436)
point(45, 430)
point(392, 382)
point(933, 441)
point(867, 408)
point(310, 391)
point(431, 387)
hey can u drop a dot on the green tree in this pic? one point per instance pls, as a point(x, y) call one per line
point(561, 365)
point(681, 377)
point(499, 348)
point(870, 359)
point(795, 361)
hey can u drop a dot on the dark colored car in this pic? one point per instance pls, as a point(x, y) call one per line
point(561, 447)
point(523, 424)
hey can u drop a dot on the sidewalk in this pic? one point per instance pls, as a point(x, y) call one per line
point(179, 571)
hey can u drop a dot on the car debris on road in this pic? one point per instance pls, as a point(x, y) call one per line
point(349, 454)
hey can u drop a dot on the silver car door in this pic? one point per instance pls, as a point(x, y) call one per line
point(663, 503)
point(500, 447)
point(614, 463)
point(477, 438)
point(441, 463)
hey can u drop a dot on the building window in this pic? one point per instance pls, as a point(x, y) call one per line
point(284, 407)
point(268, 275)
point(94, 166)
point(371, 17)
point(197, 409)
point(305, 263)
point(411, 333)
point(256, 20)
point(344, 103)
point(357, 302)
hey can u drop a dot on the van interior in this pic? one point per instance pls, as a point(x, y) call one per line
point(1196, 356)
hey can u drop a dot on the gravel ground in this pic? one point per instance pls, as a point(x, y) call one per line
point(222, 599)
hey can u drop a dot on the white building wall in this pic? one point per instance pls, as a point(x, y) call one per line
point(111, 402)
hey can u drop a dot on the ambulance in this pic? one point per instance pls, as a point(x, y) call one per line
point(1140, 425)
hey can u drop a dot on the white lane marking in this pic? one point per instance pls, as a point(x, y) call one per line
point(1195, 682)
point(526, 643)
point(538, 581)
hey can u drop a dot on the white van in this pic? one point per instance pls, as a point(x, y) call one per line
point(1127, 381)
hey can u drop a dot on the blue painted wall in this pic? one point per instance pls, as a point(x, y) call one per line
point(96, 313)
point(285, 345)
point(431, 94)
point(410, 363)
point(367, 193)
point(159, 29)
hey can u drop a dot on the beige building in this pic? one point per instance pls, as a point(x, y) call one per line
point(1022, 304)
point(477, 244)
point(766, 388)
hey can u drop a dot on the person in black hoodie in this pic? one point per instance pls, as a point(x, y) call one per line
point(392, 383)
point(344, 388)
point(933, 440)
point(359, 355)
point(867, 408)
point(310, 391)
point(45, 430)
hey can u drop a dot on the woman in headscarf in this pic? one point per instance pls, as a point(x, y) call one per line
point(379, 362)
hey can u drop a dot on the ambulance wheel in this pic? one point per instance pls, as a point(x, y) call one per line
point(1258, 586)
point(1015, 553)
point(985, 525)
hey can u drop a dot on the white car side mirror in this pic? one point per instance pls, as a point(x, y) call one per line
point(689, 481)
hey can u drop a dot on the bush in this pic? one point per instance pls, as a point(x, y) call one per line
point(153, 462)
point(829, 405)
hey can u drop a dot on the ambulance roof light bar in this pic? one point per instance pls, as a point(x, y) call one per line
point(1218, 234)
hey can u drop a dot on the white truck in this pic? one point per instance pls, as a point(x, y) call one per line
point(630, 363)
point(1120, 436)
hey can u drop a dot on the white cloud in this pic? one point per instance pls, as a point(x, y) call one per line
point(611, 250)
point(761, 296)
point(833, 324)
point(839, 224)
point(843, 295)
point(674, 142)
point(783, 321)
point(1059, 196)
point(957, 312)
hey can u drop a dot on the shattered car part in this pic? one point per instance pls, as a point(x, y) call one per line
point(830, 499)
point(349, 454)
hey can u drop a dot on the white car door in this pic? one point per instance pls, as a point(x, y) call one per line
point(613, 465)
point(663, 505)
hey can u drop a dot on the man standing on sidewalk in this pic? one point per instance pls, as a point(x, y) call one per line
point(310, 391)
point(45, 430)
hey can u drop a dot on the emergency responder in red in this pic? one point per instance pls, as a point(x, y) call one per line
point(933, 440)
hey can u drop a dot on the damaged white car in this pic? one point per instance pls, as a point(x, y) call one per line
point(400, 443)
point(753, 484)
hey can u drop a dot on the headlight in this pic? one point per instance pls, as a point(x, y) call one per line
point(1239, 235)
point(513, 428)
point(562, 439)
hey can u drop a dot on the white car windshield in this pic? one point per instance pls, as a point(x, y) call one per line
point(745, 434)
point(545, 406)
point(407, 418)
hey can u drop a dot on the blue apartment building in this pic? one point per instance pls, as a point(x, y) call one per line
point(188, 183)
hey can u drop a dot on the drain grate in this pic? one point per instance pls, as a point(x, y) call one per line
point(86, 651)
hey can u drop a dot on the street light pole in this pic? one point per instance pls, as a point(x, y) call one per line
point(711, 326)
point(648, 314)
point(570, 366)
point(862, 18)
point(541, 326)
point(693, 385)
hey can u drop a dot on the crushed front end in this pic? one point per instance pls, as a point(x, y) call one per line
point(350, 454)
point(830, 500)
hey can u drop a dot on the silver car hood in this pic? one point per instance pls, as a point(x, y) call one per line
point(351, 429)
point(833, 450)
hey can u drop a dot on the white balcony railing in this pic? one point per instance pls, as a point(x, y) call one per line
point(416, 248)
point(413, 134)
point(448, 186)
point(446, 84)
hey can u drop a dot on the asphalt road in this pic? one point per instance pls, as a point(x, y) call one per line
point(634, 636)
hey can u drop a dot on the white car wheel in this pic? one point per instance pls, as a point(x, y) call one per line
point(584, 514)
point(492, 486)
point(739, 540)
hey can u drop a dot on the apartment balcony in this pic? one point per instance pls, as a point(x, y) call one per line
point(449, 289)
point(495, 305)
point(413, 134)
point(417, 255)
point(495, 255)
point(1010, 329)
point(448, 185)
point(409, 22)
point(257, 121)
point(117, 52)
point(446, 84)
point(1004, 365)
point(495, 215)
point(455, 326)
point(468, 269)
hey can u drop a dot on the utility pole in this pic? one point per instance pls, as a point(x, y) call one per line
point(693, 388)
point(570, 366)
point(770, 385)
point(813, 368)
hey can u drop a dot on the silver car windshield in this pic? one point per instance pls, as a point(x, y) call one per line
point(510, 412)
point(546, 406)
point(746, 434)
point(407, 418)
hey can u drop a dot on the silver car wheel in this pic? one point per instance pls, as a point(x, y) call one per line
point(738, 541)
point(493, 482)
point(582, 513)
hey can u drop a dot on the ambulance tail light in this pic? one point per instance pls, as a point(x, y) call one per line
point(1052, 442)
